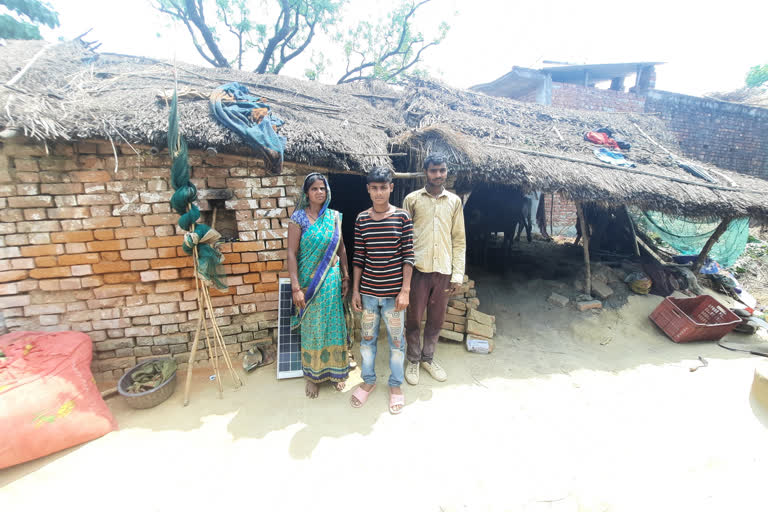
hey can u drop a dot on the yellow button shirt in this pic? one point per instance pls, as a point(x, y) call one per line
point(439, 242)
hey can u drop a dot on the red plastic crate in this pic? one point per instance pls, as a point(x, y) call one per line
point(696, 319)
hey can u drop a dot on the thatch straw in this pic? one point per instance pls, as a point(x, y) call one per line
point(73, 93)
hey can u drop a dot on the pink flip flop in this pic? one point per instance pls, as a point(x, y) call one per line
point(361, 395)
point(395, 400)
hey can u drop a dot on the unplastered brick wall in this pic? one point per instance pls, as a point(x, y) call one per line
point(561, 213)
point(590, 98)
point(88, 247)
point(729, 135)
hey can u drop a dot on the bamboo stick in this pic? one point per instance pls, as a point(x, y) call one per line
point(712, 240)
point(585, 240)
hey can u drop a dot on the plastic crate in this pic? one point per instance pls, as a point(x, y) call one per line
point(700, 318)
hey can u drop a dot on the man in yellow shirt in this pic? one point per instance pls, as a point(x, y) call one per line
point(439, 245)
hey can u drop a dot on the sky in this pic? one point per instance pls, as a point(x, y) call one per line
point(706, 46)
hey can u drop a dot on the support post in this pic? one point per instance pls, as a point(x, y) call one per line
point(632, 230)
point(712, 240)
point(585, 241)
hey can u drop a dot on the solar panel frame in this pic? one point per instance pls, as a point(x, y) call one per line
point(288, 343)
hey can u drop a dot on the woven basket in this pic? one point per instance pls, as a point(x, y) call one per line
point(146, 399)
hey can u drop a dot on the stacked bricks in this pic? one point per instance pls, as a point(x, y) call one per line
point(462, 317)
point(90, 247)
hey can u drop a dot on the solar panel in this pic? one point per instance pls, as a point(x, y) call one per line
point(288, 343)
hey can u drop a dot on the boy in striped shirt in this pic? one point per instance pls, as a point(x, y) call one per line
point(383, 263)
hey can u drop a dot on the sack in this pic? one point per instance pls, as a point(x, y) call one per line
point(48, 398)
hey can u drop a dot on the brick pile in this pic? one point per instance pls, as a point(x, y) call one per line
point(88, 247)
point(463, 319)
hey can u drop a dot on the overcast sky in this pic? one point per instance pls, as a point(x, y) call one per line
point(706, 48)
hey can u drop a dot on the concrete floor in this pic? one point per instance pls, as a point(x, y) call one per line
point(573, 412)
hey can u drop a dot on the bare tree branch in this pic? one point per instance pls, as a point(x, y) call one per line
point(196, 17)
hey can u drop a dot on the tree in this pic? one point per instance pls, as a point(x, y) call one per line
point(26, 18)
point(292, 31)
point(757, 75)
point(389, 49)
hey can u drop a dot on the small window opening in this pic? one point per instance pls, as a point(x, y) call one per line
point(226, 223)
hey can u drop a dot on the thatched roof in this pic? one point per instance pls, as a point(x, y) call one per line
point(751, 96)
point(72, 93)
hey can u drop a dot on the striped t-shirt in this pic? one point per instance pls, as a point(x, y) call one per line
point(382, 247)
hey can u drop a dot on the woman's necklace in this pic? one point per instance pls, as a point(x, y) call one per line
point(312, 217)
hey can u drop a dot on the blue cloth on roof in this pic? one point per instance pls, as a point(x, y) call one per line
point(248, 116)
point(612, 157)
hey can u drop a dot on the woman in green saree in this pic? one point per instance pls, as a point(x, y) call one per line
point(317, 265)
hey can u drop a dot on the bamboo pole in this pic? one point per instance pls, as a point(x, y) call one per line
point(712, 240)
point(585, 241)
point(632, 229)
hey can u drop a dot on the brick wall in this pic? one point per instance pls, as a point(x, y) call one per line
point(562, 213)
point(88, 248)
point(728, 135)
point(589, 98)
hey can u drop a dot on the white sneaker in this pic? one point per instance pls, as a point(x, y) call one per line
point(435, 370)
point(412, 373)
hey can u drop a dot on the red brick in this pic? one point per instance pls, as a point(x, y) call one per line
point(75, 247)
point(139, 254)
point(106, 245)
point(30, 202)
point(171, 263)
point(265, 287)
point(268, 277)
point(166, 252)
point(273, 255)
point(174, 286)
point(97, 199)
point(232, 257)
point(102, 223)
point(68, 213)
point(72, 236)
point(42, 250)
point(61, 188)
point(258, 266)
point(252, 278)
point(134, 232)
point(138, 265)
point(50, 272)
point(169, 274)
point(114, 290)
point(165, 241)
point(274, 265)
point(163, 218)
point(46, 261)
point(78, 259)
point(137, 243)
point(104, 234)
point(110, 267)
point(90, 176)
point(91, 281)
point(110, 256)
point(123, 277)
point(248, 246)
point(13, 275)
point(239, 268)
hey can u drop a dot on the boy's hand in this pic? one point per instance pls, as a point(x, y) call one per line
point(453, 288)
point(357, 302)
point(402, 300)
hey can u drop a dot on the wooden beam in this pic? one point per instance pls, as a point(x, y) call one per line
point(712, 240)
point(585, 241)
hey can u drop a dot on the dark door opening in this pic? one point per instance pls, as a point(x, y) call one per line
point(349, 196)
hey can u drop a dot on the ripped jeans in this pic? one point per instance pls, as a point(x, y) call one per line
point(373, 309)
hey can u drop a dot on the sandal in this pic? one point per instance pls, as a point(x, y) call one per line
point(361, 395)
point(395, 400)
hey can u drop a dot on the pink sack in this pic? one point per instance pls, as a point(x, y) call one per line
point(48, 398)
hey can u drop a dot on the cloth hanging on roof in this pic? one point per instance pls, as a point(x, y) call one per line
point(612, 157)
point(248, 116)
point(688, 236)
point(601, 138)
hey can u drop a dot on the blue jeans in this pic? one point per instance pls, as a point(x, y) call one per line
point(373, 309)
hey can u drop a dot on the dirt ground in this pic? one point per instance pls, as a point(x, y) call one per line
point(572, 412)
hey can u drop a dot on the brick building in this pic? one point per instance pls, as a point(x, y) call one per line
point(87, 238)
